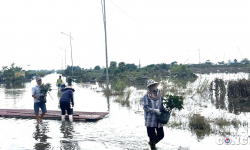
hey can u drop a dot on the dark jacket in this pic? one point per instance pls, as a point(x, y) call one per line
point(67, 96)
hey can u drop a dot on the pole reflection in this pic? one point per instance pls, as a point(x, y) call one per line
point(108, 102)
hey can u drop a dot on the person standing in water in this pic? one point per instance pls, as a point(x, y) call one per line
point(152, 105)
point(59, 81)
point(36, 95)
point(65, 100)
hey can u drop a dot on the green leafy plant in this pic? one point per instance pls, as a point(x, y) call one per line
point(171, 101)
point(45, 88)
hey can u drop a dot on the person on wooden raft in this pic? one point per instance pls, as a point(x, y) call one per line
point(67, 97)
point(152, 105)
point(36, 95)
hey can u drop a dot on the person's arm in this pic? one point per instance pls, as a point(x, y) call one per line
point(72, 98)
point(33, 94)
point(146, 105)
point(162, 108)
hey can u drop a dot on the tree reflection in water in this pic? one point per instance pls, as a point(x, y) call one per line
point(67, 129)
point(40, 136)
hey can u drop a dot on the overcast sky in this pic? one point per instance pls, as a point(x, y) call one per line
point(152, 31)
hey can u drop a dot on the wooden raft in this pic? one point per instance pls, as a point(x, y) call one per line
point(52, 114)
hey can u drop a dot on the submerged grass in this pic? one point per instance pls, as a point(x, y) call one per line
point(124, 99)
point(175, 124)
point(235, 122)
point(222, 122)
point(202, 87)
point(200, 125)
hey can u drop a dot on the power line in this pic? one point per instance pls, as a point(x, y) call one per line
point(125, 13)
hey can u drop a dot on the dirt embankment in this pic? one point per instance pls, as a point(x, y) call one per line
point(220, 70)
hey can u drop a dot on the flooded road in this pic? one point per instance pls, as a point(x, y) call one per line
point(122, 129)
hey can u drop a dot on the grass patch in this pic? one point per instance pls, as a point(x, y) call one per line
point(175, 124)
point(222, 122)
point(200, 125)
point(106, 92)
point(124, 99)
point(203, 87)
point(235, 123)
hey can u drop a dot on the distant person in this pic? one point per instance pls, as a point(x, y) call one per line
point(59, 81)
point(152, 105)
point(65, 100)
point(69, 80)
point(36, 95)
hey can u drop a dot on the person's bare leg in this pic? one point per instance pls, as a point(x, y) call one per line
point(37, 118)
point(42, 117)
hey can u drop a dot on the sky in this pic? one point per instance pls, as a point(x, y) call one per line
point(145, 31)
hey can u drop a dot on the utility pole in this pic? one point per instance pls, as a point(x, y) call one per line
point(71, 49)
point(104, 22)
point(65, 57)
point(199, 56)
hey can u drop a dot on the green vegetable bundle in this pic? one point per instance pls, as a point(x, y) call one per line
point(45, 88)
point(171, 102)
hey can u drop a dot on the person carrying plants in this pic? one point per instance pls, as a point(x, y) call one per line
point(152, 105)
point(66, 98)
point(36, 95)
point(59, 81)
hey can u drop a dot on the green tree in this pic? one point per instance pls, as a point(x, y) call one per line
point(245, 61)
point(122, 66)
point(97, 68)
point(112, 65)
point(131, 67)
point(174, 63)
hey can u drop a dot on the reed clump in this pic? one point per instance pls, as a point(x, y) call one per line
point(175, 124)
point(203, 87)
point(240, 88)
point(239, 96)
point(222, 122)
point(235, 122)
point(200, 125)
point(124, 99)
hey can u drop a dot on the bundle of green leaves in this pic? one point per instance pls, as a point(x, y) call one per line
point(172, 102)
point(45, 88)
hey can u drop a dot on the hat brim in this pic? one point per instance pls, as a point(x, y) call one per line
point(64, 89)
point(153, 84)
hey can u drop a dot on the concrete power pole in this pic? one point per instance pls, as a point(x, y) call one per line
point(104, 22)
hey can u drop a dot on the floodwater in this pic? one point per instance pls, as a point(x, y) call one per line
point(122, 129)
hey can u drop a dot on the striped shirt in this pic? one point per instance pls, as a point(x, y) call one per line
point(149, 104)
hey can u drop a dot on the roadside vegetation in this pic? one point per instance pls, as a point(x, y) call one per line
point(15, 75)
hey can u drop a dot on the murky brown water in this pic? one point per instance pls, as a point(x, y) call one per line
point(123, 128)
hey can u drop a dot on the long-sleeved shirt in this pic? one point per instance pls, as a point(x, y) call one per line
point(149, 104)
point(67, 96)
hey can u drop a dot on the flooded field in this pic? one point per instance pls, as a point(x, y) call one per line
point(124, 127)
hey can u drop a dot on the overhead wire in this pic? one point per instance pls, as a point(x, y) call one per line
point(125, 13)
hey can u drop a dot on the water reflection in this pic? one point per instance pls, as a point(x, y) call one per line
point(108, 102)
point(238, 105)
point(67, 129)
point(40, 135)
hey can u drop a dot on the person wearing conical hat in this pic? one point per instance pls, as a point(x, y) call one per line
point(65, 100)
point(152, 105)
